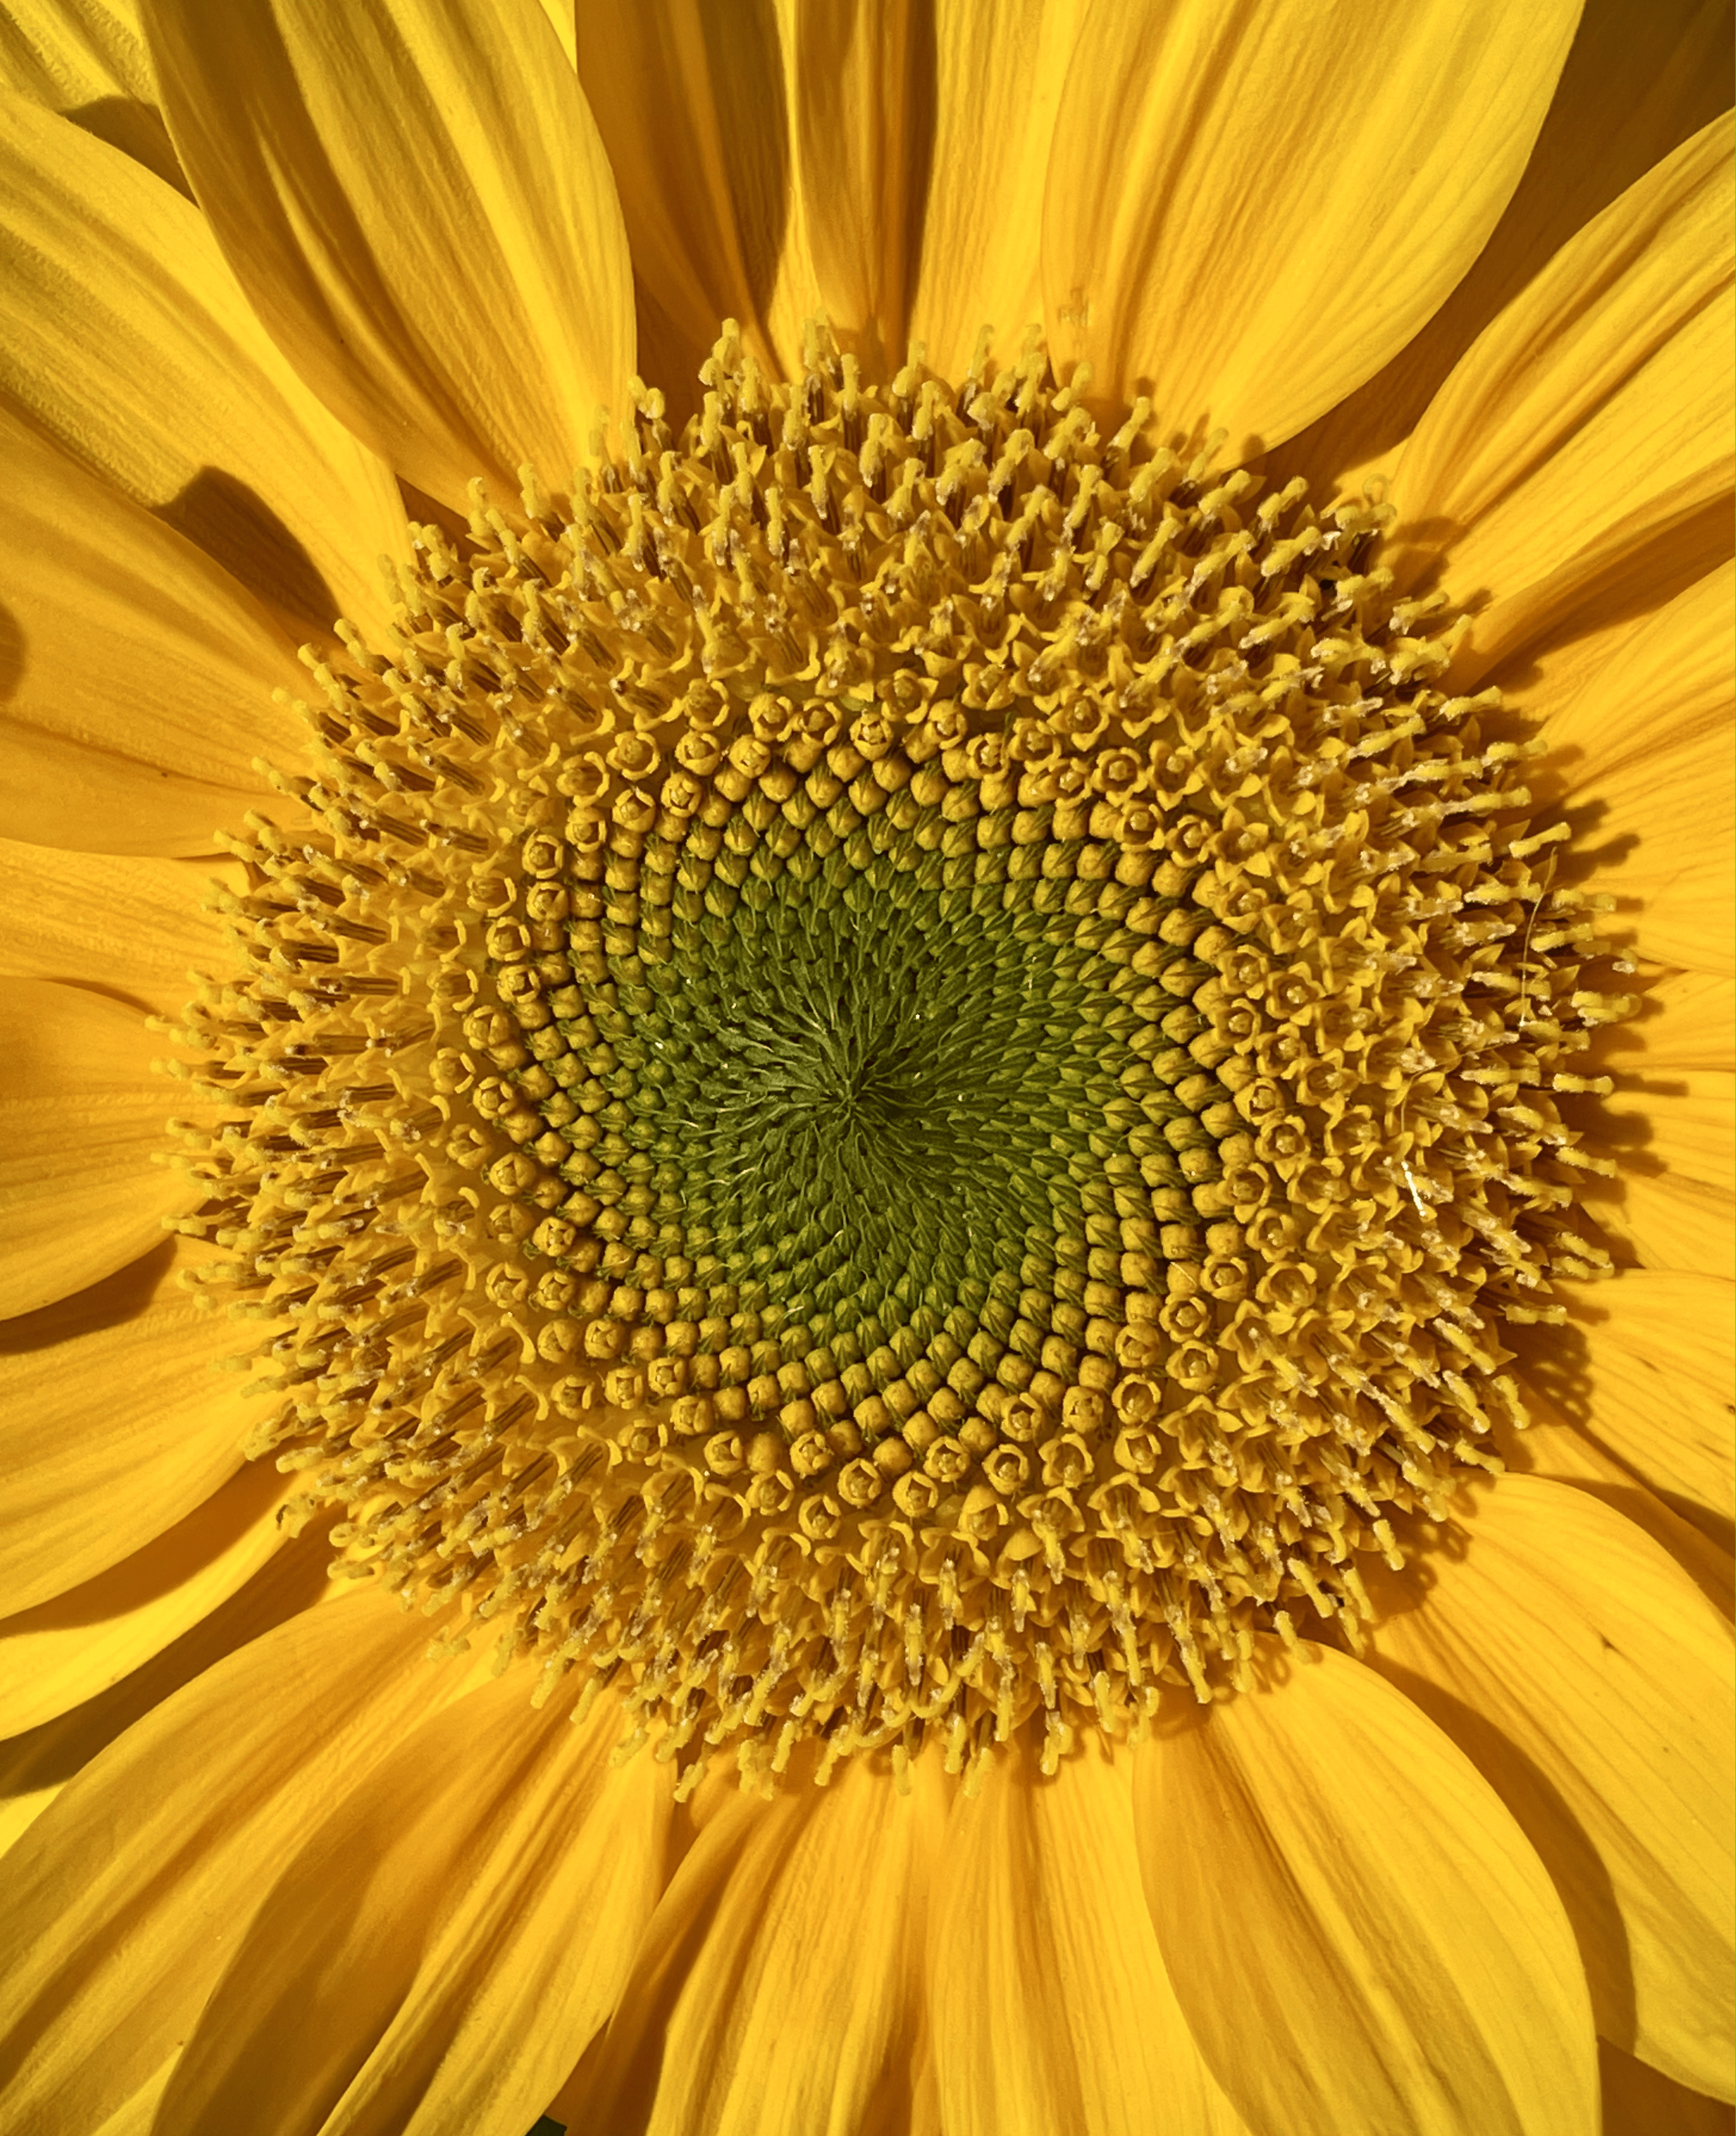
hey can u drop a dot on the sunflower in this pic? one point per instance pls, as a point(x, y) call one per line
point(866, 1100)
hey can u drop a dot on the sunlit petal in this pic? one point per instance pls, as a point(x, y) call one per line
point(1587, 1678)
point(417, 203)
point(81, 1121)
point(127, 341)
point(1242, 320)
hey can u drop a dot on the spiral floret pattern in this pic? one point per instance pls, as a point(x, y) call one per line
point(898, 1075)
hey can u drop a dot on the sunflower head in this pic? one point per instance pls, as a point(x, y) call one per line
point(909, 1073)
point(909, 1078)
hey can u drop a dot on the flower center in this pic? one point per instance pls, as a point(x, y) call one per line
point(876, 1068)
point(898, 1074)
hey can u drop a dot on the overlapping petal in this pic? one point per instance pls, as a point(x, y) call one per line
point(1591, 420)
point(1640, 2101)
point(1654, 1388)
point(67, 54)
point(135, 675)
point(1585, 635)
point(137, 2115)
point(416, 200)
point(777, 1991)
point(1687, 1023)
point(74, 1647)
point(62, 913)
point(863, 130)
point(1566, 1455)
point(1653, 260)
point(690, 106)
point(117, 1425)
point(1584, 1673)
point(1637, 82)
point(123, 1904)
point(1038, 1912)
point(128, 342)
point(36, 1766)
point(1360, 1936)
point(445, 1938)
point(560, 13)
point(1645, 749)
point(999, 75)
point(82, 1123)
point(1675, 1206)
point(1250, 210)
point(1673, 1201)
point(883, 163)
point(86, 60)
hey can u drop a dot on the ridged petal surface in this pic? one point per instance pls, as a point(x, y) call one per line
point(1585, 1674)
point(82, 1120)
point(128, 342)
point(1225, 178)
point(1361, 1937)
point(416, 200)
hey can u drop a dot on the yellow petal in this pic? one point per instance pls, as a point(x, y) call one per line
point(690, 103)
point(1566, 1455)
point(998, 75)
point(137, 2116)
point(115, 1425)
point(1670, 1121)
point(86, 60)
point(1638, 2101)
point(923, 144)
point(127, 341)
point(1672, 1205)
point(1644, 750)
point(776, 1989)
point(1248, 210)
point(62, 913)
point(1689, 1023)
point(63, 1652)
point(1592, 417)
point(1669, 1222)
point(66, 53)
point(36, 1766)
point(22, 1804)
point(559, 12)
point(1049, 2003)
point(417, 201)
point(1360, 1936)
point(1583, 636)
point(141, 673)
point(863, 127)
point(1590, 1679)
point(121, 1906)
point(911, 2106)
point(1652, 1381)
point(81, 1117)
point(794, 300)
point(442, 1939)
point(1644, 491)
point(1615, 296)
point(1637, 82)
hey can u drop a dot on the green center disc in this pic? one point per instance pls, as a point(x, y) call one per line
point(877, 1093)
